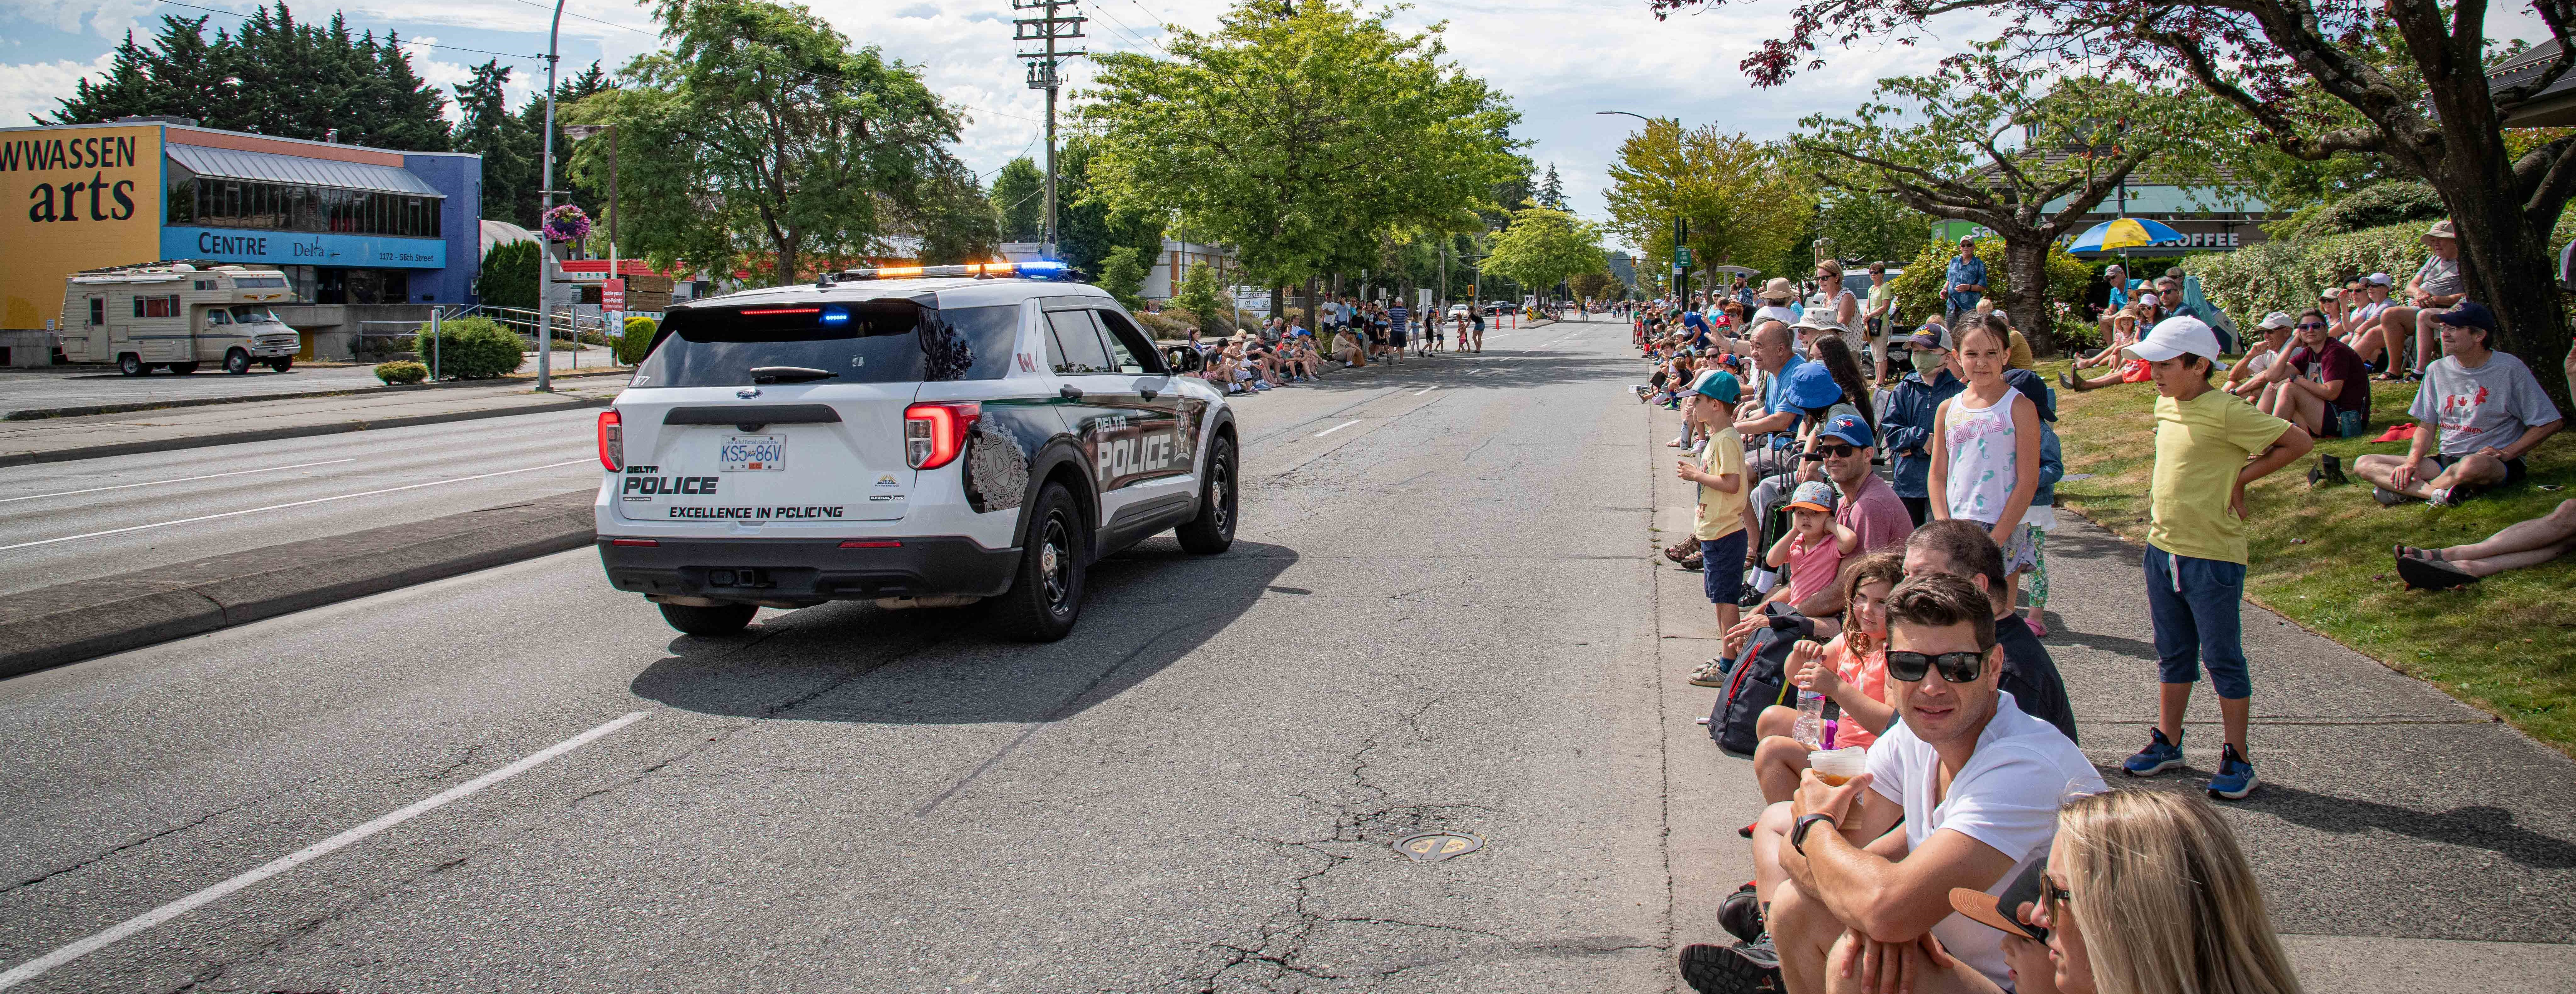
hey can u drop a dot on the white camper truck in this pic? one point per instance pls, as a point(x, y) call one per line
point(175, 315)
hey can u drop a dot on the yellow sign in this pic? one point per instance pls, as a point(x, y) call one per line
point(77, 197)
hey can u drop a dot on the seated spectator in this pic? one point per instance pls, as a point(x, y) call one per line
point(1962, 548)
point(1792, 388)
point(2145, 312)
point(1850, 671)
point(2322, 385)
point(2259, 357)
point(1813, 550)
point(1973, 781)
point(2140, 891)
point(2487, 408)
point(2520, 545)
point(2437, 287)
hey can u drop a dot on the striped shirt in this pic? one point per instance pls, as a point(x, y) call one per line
point(1396, 316)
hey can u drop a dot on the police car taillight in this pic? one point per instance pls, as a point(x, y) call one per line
point(612, 442)
point(934, 434)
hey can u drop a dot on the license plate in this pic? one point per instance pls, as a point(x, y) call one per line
point(752, 453)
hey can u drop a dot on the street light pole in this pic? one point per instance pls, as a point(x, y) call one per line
point(1674, 189)
point(546, 202)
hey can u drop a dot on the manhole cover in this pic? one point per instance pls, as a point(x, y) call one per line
point(1432, 847)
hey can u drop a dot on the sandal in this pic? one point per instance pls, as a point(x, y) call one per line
point(1679, 551)
point(1710, 674)
point(2430, 574)
point(2411, 552)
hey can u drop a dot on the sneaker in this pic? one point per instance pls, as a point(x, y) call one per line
point(2386, 497)
point(2235, 777)
point(1741, 913)
point(1742, 968)
point(2440, 497)
point(2159, 755)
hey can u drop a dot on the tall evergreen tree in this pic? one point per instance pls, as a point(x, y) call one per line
point(126, 91)
point(274, 76)
point(523, 209)
point(1551, 191)
point(504, 141)
point(1019, 197)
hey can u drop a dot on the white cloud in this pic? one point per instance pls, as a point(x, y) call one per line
point(30, 88)
point(108, 18)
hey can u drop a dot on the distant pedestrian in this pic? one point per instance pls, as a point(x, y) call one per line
point(1964, 283)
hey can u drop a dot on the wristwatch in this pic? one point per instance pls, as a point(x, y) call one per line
point(1798, 833)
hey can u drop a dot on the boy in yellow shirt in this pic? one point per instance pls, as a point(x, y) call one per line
point(1725, 516)
point(2209, 445)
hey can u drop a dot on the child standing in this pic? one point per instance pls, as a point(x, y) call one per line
point(1815, 546)
point(1721, 526)
point(2209, 445)
point(1985, 467)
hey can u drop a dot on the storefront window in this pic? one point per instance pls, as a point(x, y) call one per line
point(281, 207)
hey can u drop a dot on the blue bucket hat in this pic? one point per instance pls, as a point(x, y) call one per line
point(1813, 391)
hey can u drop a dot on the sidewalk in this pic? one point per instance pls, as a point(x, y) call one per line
point(161, 430)
point(2404, 841)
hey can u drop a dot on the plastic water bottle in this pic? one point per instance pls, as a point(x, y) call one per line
point(1809, 729)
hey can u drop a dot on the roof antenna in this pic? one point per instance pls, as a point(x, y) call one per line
point(823, 280)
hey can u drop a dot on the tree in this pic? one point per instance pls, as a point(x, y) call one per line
point(126, 92)
point(1868, 225)
point(1088, 227)
point(1957, 162)
point(273, 77)
point(1298, 137)
point(2255, 54)
point(1543, 246)
point(509, 276)
point(1197, 295)
point(577, 187)
point(953, 218)
point(1019, 196)
point(1551, 191)
point(1741, 207)
point(1123, 276)
point(1596, 286)
point(761, 139)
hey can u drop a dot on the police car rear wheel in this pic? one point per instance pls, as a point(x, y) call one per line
point(1212, 531)
point(723, 619)
point(1044, 602)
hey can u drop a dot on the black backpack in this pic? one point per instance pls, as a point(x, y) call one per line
point(1758, 680)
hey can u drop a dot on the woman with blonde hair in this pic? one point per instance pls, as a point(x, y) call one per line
point(2143, 892)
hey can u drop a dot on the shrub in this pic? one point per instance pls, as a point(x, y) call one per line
point(470, 349)
point(1918, 291)
point(509, 276)
point(637, 340)
point(1170, 325)
point(2284, 274)
point(396, 374)
point(2374, 206)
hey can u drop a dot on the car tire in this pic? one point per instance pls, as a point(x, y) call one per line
point(132, 365)
point(183, 368)
point(723, 619)
point(280, 365)
point(1212, 531)
point(1045, 598)
point(237, 362)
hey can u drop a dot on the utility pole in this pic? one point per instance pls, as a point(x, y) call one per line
point(546, 202)
point(1047, 30)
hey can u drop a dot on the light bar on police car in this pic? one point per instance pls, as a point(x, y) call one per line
point(1034, 269)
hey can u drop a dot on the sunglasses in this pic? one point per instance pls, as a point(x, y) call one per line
point(1835, 451)
point(1956, 667)
point(2311, 324)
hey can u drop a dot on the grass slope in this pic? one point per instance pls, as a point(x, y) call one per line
point(2322, 558)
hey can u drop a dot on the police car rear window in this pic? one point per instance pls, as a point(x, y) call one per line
point(877, 341)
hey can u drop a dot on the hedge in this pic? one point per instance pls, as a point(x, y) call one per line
point(2284, 274)
point(636, 341)
point(1918, 291)
point(470, 349)
point(399, 373)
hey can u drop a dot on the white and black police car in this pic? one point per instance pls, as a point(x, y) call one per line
point(914, 436)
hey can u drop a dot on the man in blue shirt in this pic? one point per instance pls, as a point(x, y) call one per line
point(1965, 282)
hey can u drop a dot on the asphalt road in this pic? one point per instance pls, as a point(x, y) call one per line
point(1436, 617)
point(68, 521)
point(41, 389)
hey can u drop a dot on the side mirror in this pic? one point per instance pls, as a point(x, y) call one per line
point(1183, 359)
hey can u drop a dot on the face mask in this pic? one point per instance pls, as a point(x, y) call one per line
point(1926, 362)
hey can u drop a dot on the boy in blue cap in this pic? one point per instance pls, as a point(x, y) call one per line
point(1723, 523)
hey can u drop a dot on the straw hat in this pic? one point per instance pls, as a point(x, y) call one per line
point(1778, 289)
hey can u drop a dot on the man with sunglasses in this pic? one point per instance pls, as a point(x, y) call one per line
point(1975, 784)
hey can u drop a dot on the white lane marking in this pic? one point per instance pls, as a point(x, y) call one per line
point(281, 507)
point(34, 968)
point(1336, 428)
point(183, 479)
point(1427, 389)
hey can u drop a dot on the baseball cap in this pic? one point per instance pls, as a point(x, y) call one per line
point(1719, 385)
point(1967, 239)
point(2468, 314)
point(2382, 279)
point(1925, 339)
point(2002, 911)
point(2279, 319)
point(1850, 428)
point(2174, 336)
point(1814, 495)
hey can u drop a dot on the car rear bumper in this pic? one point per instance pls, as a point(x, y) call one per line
point(807, 570)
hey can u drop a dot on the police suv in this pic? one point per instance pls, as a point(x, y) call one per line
point(914, 436)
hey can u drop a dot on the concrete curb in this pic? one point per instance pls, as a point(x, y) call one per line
point(43, 413)
point(296, 431)
point(88, 618)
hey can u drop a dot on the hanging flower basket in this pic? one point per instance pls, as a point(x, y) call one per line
point(567, 224)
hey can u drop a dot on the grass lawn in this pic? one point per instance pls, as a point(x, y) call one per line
point(2321, 557)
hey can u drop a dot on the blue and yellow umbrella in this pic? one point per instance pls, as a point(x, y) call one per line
point(2126, 232)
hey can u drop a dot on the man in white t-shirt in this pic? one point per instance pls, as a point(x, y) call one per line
point(1977, 784)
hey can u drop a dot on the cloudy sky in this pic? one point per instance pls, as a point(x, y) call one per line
point(1559, 60)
